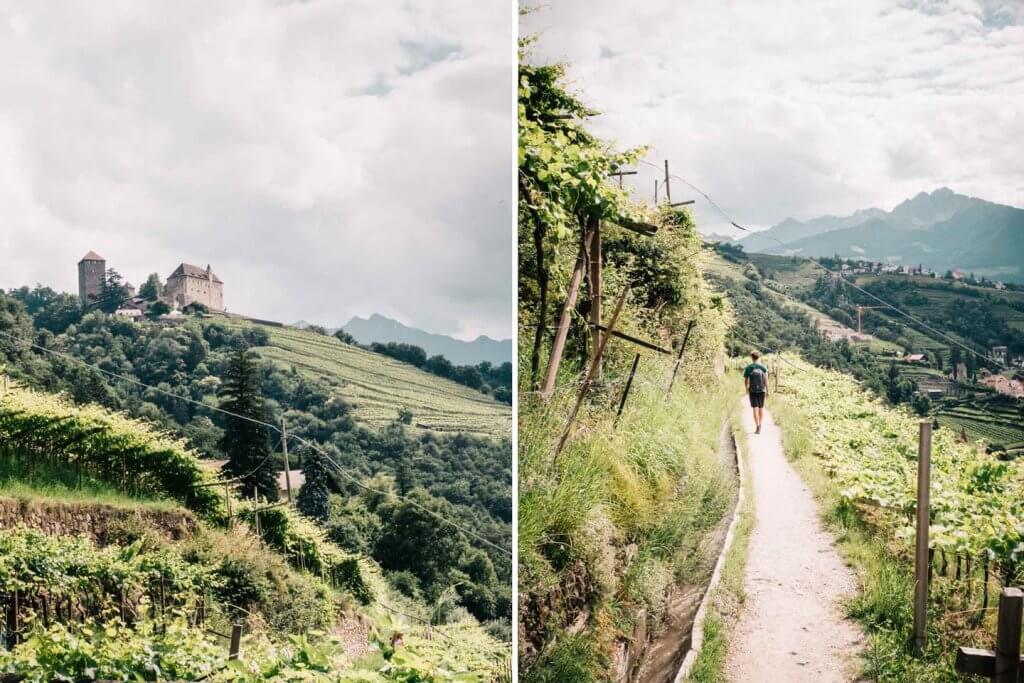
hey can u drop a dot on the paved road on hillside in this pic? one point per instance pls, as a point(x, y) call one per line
point(791, 628)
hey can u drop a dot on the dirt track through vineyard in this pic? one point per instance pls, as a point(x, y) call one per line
point(791, 627)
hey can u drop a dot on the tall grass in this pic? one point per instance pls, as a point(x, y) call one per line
point(620, 517)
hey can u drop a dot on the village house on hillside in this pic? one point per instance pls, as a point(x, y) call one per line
point(186, 286)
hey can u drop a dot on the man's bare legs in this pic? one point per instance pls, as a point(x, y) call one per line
point(758, 416)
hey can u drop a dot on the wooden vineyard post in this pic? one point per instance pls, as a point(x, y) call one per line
point(227, 498)
point(679, 358)
point(1005, 665)
point(558, 346)
point(595, 284)
point(668, 187)
point(287, 469)
point(655, 190)
point(236, 641)
point(256, 510)
point(12, 624)
point(625, 392)
point(1011, 603)
point(590, 372)
point(924, 466)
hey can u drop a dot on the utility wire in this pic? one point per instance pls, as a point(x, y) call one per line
point(702, 193)
point(338, 467)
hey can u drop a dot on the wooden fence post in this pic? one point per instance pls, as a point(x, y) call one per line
point(924, 465)
point(227, 498)
point(625, 392)
point(596, 286)
point(1005, 665)
point(287, 469)
point(562, 332)
point(679, 358)
point(256, 509)
point(590, 372)
point(1011, 609)
point(668, 187)
point(236, 641)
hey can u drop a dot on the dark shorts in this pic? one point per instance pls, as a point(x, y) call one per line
point(757, 400)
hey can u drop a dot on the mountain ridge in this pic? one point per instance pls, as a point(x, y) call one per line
point(941, 230)
point(381, 329)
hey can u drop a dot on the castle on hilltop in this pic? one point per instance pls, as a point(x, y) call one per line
point(185, 286)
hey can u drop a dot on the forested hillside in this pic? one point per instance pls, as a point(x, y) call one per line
point(780, 301)
point(175, 376)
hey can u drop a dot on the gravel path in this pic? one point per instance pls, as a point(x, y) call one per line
point(791, 628)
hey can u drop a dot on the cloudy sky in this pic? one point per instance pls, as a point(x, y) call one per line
point(328, 159)
point(797, 108)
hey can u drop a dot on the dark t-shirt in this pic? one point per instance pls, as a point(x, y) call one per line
point(755, 366)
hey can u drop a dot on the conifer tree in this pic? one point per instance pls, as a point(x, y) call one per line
point(246, 443)
point(315, 497)
point(114, 292)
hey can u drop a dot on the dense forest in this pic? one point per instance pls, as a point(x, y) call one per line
point(175, 374)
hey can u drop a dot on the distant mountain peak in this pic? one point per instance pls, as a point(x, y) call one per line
point(380, 328)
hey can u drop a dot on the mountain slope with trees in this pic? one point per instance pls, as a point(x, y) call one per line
point(940, 230)
point(178, 375)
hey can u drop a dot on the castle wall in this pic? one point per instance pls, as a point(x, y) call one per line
point(186, 290)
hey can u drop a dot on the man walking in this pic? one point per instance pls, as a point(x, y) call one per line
point(755, 381)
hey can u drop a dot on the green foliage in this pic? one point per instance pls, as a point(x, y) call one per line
point(113, 293)
point(108, 446)
point(47, 569)
point(174, 650)
point(870, 452)
point(158, 308)
point(152, 289)
point(314, 497)
point(245, 441)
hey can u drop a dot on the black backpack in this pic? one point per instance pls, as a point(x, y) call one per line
point(758, 381)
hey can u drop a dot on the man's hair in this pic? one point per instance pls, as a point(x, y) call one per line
point(755, 355)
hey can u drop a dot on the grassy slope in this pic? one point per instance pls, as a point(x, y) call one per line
point(619, 519)
point(378, 387)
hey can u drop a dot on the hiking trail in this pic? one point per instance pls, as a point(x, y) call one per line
point(791, 627)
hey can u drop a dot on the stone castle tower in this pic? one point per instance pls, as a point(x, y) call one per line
point(92, 271)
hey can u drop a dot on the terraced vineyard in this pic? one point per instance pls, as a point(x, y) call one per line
point(996, 420)
point(379, 387)
point(126, 610)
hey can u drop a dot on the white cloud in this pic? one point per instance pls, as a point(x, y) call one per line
point(327, 158)
point(797, 108)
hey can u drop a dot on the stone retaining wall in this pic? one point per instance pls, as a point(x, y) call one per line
point(96, 521)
